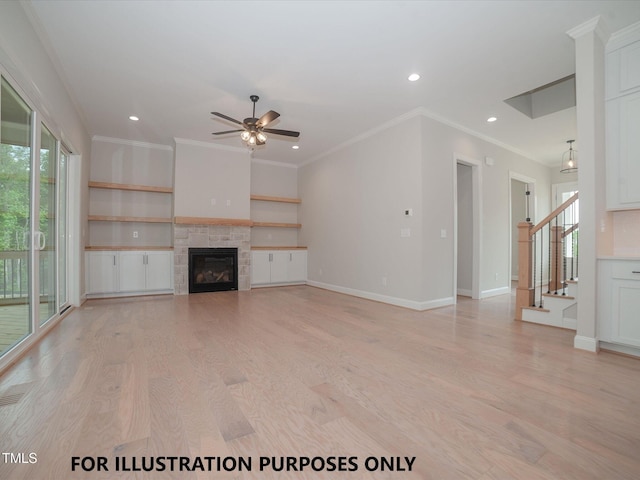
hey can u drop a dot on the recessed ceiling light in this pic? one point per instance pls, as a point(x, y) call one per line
point(295, 147)
point(134, 118)
point(492, 119)
point(413, 77)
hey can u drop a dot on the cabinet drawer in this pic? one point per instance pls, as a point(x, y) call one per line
point(625, 270)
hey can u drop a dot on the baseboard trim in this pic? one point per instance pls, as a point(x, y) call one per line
point(399, 302)
point(585, 343)
point(495, 292)
point(464, 292)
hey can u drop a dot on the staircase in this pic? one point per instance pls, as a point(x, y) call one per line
point(547, 291)
point(557, 310)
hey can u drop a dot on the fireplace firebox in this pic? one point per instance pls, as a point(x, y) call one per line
point(213, 269)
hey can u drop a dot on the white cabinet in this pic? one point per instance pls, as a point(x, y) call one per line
point(623, 152)
point(623, 125)
point(278, 267)
point(619, 302)
point(128, 272)
point(102, 272)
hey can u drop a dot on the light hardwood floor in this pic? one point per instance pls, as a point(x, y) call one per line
point(299, 371)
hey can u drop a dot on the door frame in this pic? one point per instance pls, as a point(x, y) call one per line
point(476, 195)
point(532, 209)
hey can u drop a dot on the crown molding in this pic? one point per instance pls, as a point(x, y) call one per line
point(273, 163)
point(132, 143)
point(624, 37)
point(596, 24)
point(213, 146)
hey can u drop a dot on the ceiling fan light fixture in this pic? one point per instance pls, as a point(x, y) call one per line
point(252, 139)
point(245, 136)
point(261, 137)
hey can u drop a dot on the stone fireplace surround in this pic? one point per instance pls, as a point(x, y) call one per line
point(210, 236)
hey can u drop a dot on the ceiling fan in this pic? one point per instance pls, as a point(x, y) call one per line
point(254, 129)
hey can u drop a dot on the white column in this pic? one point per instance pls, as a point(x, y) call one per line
point(590, 39)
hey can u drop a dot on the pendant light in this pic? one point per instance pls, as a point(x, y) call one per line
point(569, 159)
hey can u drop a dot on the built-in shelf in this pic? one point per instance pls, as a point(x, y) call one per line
point(277, 225)
point(236, 222)
point(278, 248)
point(126, 186)
point(112, 218)
point(125, 248)
point(266, 198)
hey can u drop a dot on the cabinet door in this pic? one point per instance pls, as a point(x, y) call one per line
point(279, 266)
point(101, 275)
point(297, 266)
point(625, 303)
point(132, 271)
point(159, 271)
point(623, 151)
point(260, 267)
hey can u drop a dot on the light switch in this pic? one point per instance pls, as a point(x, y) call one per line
point(443, 233)
point(405, 232)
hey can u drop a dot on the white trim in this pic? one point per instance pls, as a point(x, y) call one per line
point(369, 133)
point(593, 25)
point(623, 37)
point(133, 143)
point(481, 136)
point(214, 146)
point(273, 163)
point(532, 183)
point(494, 292)
point(476, 181)
point(585, 343)
point(626, 349)
point(418, 112)
point(464, 292)
point(399, 302)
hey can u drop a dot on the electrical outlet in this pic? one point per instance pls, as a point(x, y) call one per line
point(135, 234)
point(384, 281)
point(228, 203)
point(213, 202)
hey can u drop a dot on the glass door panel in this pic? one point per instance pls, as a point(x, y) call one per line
point(47, 236)
point(15, 208)
point(63, 244)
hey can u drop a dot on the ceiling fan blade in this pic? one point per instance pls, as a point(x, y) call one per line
point(267, 118)
point(288, 133)
point(222, 115)
point(227, 131)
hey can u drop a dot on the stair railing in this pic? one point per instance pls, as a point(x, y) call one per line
point(546, 262)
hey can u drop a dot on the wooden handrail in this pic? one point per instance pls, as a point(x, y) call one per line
point(569, 231)
point(553, 214)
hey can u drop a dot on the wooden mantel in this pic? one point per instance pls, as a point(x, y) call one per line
point(234, 222)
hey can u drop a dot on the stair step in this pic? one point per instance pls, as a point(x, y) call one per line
point(558, 295)
point(536, 309)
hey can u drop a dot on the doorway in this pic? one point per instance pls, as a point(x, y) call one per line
point(467, 226)
point(521, 209)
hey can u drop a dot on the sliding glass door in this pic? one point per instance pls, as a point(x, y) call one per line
point(46, 229)
point(33, 222)
point(16, 177)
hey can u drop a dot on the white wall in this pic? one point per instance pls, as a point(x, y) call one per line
point(352, 212)
point(274, 180)
point(210, 181)
point(352, 215)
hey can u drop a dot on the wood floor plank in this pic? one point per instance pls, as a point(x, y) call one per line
point(299, 371)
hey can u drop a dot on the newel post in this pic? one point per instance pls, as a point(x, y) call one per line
point(525, 290)
point(557, 252)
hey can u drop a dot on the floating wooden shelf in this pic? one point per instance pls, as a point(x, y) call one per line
point(277, 225)
point(237, 222)
point(111, 218)
point(265, 198)
point(126, 186)
point(122, 247)
point(278, 248)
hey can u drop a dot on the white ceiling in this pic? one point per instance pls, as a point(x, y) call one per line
point(333, 70)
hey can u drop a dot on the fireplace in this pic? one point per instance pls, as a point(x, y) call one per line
point(213, 269)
